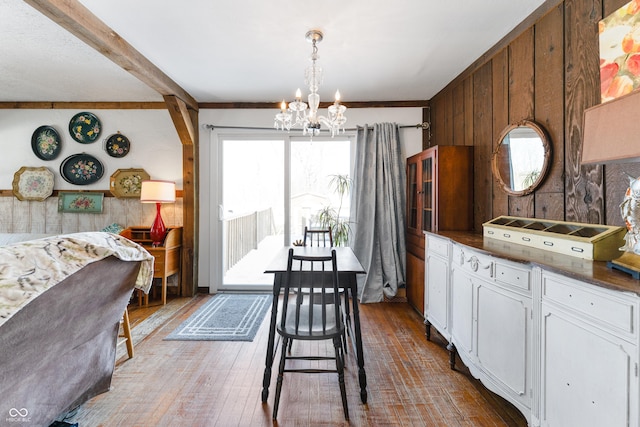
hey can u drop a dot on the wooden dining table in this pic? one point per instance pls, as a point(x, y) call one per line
point(348, 268)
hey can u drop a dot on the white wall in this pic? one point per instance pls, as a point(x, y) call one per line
point(263, 118)
point(155, 145)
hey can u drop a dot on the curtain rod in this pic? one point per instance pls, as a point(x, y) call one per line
point(423, 126)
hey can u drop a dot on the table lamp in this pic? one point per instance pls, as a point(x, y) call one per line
point(158, 192)
point(611, 136)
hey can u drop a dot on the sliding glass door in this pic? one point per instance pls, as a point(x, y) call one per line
point(252, 210)
point(268, 190)
point(316, 167)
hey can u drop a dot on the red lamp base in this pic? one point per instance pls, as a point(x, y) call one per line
point(158, 230)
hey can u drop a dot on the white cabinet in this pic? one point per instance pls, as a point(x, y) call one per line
point(491, 314)
point(565, 352)
point(436, 295)
point(589, 364)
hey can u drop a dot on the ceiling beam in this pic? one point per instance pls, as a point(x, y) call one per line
point(276, 105)
point(66, 105)
point(147, 105)
point(79, 21)
point(181, 119)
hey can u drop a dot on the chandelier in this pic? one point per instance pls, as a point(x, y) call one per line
point(299, 113)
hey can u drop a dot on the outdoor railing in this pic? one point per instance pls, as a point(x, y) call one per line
point(244, 232)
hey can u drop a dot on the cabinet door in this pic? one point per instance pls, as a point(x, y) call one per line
point(436, 293)
point(462, 313)
point(428, 214)
point(587, 374)
point(503, 343)
point(412, 194)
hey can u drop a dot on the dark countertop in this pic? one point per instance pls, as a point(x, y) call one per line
point(594, 272)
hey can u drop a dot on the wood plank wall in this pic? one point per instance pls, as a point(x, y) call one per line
point(549, 73)
point(43, 217)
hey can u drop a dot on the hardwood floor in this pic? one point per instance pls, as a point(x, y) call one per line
point(210, 383)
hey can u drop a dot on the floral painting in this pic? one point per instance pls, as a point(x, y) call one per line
point(131, 184)
point(84, 170)
point(80, 202)
point(84, 127)
point(48, 142)
point(117, 145)
point(81, 169)
point(619, 35)
point(33, 183)
point(128, 182)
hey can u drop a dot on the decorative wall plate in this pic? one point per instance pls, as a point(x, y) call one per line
point(85, 127)
point(127, 182)
point(80, 202)
point(81, 169)
point(46, 143)
point(32, 183)
point(117, 145)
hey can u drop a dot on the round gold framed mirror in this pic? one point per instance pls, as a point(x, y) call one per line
point(522, 158)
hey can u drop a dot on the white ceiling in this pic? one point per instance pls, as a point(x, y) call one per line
point(255, 50)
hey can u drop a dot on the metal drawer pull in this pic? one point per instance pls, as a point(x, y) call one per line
point(507, 235)
point(548, 243)
point(526, 239)
point(577, 249)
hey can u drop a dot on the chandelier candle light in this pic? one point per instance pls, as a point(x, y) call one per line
point(306, 115)
point(158, 192)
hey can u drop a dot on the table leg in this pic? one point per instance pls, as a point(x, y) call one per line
point(347, 291)
point(362, 376)
point(266, 380)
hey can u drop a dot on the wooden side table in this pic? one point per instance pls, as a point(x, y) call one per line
point(167, 256)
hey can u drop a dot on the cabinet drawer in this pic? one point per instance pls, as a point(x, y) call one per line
point(512, 276)
point(612, 310)
point(438, 246)
point(158, 266)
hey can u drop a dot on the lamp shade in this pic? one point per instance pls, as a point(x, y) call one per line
point(155, 191)
point(612, 131)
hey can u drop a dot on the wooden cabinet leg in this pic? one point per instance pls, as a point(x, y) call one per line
point(164, 289)
point(452, 355)
point(142, 295)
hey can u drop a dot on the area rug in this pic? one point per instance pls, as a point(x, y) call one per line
point(225, 317)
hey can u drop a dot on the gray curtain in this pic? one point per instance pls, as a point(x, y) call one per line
point(378, 207)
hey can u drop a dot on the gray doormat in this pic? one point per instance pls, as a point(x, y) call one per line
point(225, 317)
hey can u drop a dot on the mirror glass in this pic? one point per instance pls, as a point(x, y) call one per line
point(522, 157)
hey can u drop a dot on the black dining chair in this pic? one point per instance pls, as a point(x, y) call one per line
point(308, 321)
point(318, 237)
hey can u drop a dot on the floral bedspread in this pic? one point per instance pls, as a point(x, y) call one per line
point(29, 268)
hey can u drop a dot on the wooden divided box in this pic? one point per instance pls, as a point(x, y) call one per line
point(589, 241)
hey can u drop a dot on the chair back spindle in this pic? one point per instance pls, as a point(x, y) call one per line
point(318, 237)
point(314, 278)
